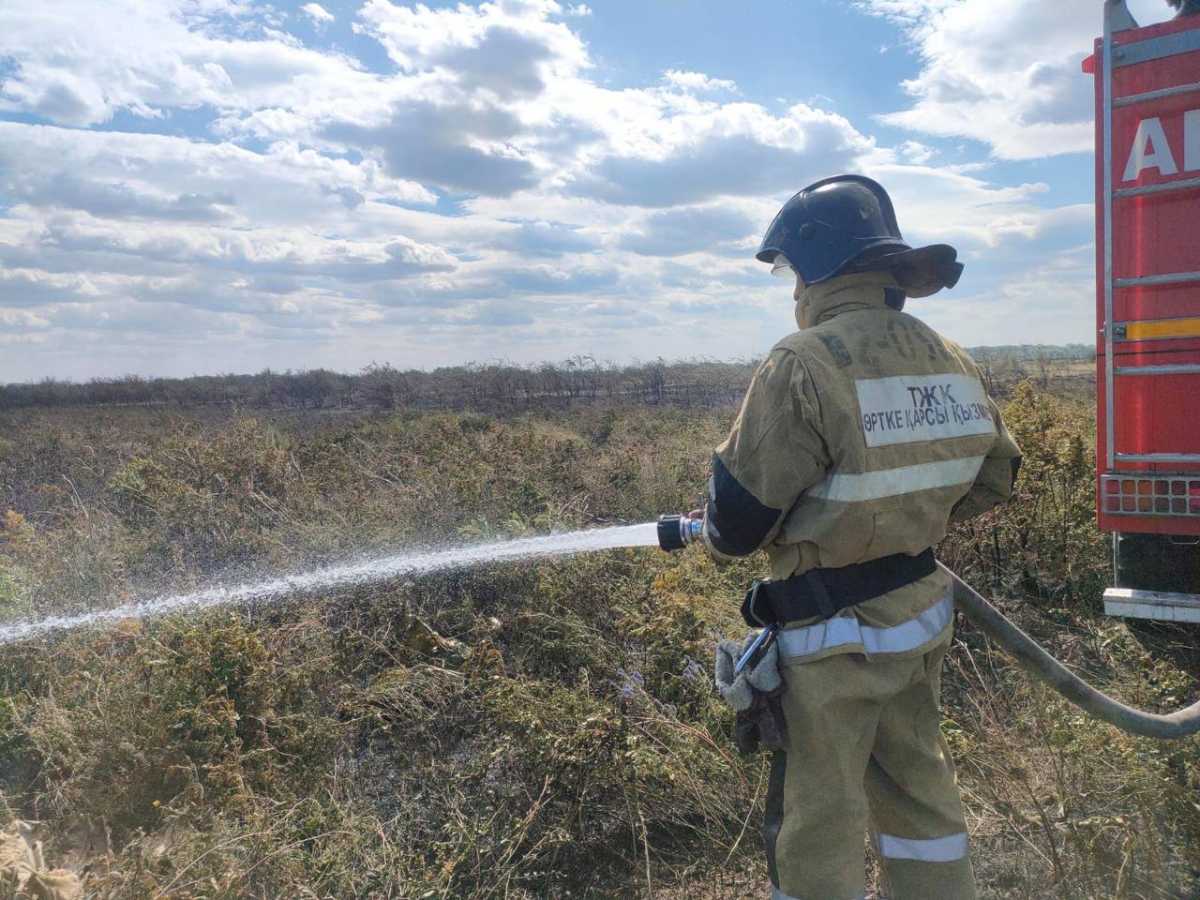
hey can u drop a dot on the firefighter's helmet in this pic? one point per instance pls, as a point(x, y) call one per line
point(1186, 7)
point(847, 224)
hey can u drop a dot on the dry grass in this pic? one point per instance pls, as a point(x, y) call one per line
point(537, 730)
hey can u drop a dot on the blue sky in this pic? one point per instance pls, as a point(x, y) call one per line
point(197, 186)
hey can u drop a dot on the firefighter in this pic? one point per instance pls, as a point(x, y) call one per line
point(861, 437)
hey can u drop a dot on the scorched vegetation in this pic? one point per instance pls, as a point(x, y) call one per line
point(527, 730)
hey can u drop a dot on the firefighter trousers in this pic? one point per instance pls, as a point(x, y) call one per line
point(865, 752)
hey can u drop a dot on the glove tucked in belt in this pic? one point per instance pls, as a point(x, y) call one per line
point(754, 694)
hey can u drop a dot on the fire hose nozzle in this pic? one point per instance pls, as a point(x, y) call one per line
point(676, 532)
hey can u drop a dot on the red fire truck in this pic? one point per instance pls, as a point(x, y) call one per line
point(1148, 311)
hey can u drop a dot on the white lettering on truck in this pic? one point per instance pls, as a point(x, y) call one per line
point(1152, 150)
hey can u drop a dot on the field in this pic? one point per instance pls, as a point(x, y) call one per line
point(520, 730)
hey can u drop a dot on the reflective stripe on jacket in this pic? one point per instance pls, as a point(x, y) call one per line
point(859, 438)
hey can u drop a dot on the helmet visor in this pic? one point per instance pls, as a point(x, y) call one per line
point(781, 268)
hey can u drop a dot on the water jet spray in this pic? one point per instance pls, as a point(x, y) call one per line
point(670, 533)
point(356, 573)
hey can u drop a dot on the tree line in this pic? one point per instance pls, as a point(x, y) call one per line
point(484, 387)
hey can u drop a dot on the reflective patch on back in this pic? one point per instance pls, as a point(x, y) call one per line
point(864, 486)
point(908, 408)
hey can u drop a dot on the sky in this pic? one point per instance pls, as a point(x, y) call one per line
point(206, 186)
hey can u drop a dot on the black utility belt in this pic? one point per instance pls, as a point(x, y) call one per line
point(826, 592)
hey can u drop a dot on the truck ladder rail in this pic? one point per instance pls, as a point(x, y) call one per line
point(1157, 458)
point(1135, 52)
point(1166, 187)
point(1116, 18)
point(1155, 280)
point(1160, 94)
point(1177, 369)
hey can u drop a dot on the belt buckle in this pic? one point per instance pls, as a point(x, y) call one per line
point(750, 613)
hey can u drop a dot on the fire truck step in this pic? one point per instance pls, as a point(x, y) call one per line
point(1164, 607)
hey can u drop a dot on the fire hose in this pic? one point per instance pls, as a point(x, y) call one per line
point(1034, 659)
point(676, 532)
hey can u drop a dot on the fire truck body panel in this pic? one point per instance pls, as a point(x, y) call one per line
point(1148, 311)
point(1156, 238)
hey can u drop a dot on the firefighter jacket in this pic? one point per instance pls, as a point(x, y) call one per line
point(861, 436)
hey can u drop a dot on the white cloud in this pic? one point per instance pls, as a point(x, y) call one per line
point(1006, 74)
point(697, 229)
point(158, 176)
point(31, 288)
point(697, 81)
point(939, 204)
point(18, 320)
point(1052, 302)
point(541, 239)
point(462, 148)
point(915, 152)
point(146, 56)
point(707, 150)
point(322, 213)
point(319, 14)
point(292, 252)
point(423, 39)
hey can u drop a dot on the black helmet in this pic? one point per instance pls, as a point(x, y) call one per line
point(1186, 7)
point(847, 224)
